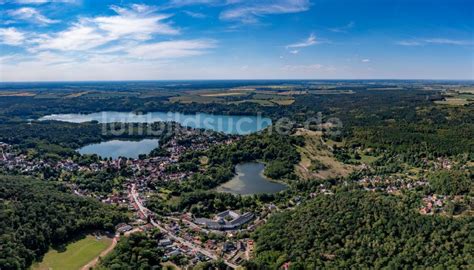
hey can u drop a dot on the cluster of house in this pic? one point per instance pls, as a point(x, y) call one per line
point(321, 189)
point(224, 221)
point(145, 170)
point(389, 184)
point(432, 204)
point(443, 163)
point(174, 249)
point(12, 160)
point(153, 169)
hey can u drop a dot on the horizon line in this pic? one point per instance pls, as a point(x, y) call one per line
point(222, 80)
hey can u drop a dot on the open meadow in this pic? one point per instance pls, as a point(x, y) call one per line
point(75, 255)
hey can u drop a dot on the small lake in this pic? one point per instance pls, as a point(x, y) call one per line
point(250, 180)
point(119, 148)
point(230, 124)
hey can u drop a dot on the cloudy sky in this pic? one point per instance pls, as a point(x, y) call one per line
point(69, 40)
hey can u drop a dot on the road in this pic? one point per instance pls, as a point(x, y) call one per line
point(145, 212)
point(93, 263)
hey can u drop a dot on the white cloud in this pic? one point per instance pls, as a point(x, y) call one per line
point(31, 14)
point(134, 24)
point(311, 40)
point(343, 29)
point(137, 23)
point(171, 49)
point(251, 11)
point(365, 60)
point(438, 41)
point(77, 37)
point(449, 41)
point(196, 15)
point(294, 51)
point(409, 43)
point(11, 36)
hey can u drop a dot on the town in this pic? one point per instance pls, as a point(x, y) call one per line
point(183, 232)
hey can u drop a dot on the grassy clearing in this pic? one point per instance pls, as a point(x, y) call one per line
point(317, 161)
point(293, 92)
point(75, 255)
point(75, 95)
point(331, 92)
point(204, 160)
point(283, 102)
point(467, 90)
point(224, 94)
point(17, 94)
point(170, 266)
point(367, 159)
point(453, 101)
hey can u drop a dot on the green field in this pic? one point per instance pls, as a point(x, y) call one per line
point(75, 255)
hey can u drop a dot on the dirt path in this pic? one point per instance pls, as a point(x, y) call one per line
point(92, 263)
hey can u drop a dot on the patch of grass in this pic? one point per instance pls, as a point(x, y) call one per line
point(283, 102)
point(173, 201)
point(331, 92)
point(170, 266)
point(317, 160)
point(467, 89)
point(293, 92)
point(204, 160)
point(455, 101)
point(75, 255)
point(223, 94)
point(16, 94)
point(334, 143)
point(367, 159)
point(75, 95)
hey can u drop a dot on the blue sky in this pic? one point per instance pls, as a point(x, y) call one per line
point(63, 40)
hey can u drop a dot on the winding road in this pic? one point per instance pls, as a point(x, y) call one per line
point(145, 212)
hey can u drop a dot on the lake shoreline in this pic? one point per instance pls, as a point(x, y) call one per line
point(229, 124)
point(250, 180)
point(120, 148)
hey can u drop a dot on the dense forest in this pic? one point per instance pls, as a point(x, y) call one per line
point(451, 182)
point(363, 230)
point(35, 215)
point(137, 251)
point(202, 203)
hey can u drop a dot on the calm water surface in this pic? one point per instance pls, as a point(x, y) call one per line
point(231, 124)
point(250, 180)
point(119, 148)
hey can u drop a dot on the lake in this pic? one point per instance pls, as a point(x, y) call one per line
point(230, 124)
point(119, 148)
point(250, 180)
